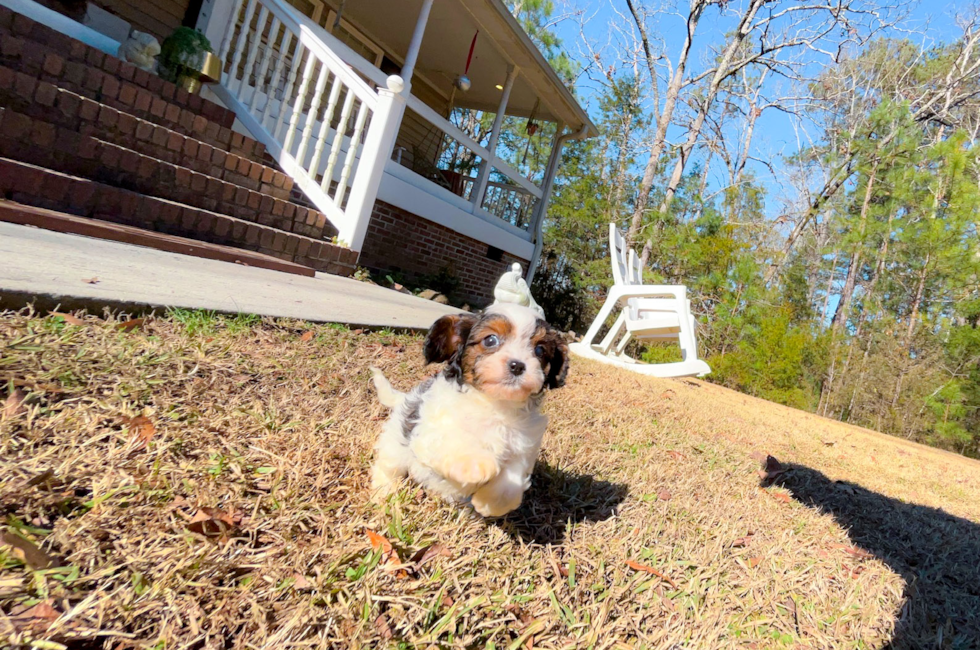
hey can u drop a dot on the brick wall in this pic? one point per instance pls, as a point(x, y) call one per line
point(400, 241)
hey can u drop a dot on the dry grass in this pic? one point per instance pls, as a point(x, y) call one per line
point(646, 526)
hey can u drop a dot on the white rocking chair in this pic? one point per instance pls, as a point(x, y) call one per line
point(647, 313)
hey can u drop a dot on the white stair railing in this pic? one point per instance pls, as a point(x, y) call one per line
point(284, 80)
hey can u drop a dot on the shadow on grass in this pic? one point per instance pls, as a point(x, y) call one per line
point(937, 554)
point(558, 498)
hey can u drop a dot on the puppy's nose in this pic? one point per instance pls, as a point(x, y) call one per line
point(517, 367)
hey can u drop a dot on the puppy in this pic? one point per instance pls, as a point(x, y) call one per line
point(474, 430)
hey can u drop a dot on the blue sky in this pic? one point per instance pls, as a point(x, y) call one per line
point(933, 22)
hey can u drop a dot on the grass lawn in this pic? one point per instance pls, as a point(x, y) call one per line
point(201, 482)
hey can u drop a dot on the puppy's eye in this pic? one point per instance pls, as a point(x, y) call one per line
point(491, 341)
point(540, 350)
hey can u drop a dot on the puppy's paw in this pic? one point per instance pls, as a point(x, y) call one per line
point(496, 507)
point(384, 483)
point(471, 469)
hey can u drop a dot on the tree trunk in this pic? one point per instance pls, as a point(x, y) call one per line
point(834, 183)
point(667, 114)
point(830, 287)
point(843, 307)
point(722, 71)
point(913, 318)
point(872, 286)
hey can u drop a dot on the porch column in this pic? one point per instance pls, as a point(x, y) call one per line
point(413, 48)
point(541, 209)
point(480, 186)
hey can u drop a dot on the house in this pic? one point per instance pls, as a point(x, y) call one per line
point(410, 137)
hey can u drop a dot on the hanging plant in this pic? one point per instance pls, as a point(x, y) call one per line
point(182, 54)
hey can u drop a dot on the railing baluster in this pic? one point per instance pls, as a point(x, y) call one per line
point(264, 65)
point(304, 88)
point(287, 41)
point(321, 84)
point(287, 95)
point(230, 32)
point(325, 125)
point(241, 43)
point(338, 140)
point(254, 43)
point(355, 144)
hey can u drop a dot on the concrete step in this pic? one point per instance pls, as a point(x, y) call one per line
point(25, 215)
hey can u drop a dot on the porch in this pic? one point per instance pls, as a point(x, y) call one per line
point(353, 126)
point(362, 102)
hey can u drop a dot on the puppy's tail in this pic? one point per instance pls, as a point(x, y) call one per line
point(387, 395)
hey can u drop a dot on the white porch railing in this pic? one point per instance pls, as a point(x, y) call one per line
point(489, 158)
point(511, 203)
point(324, 124)
point(331, 118)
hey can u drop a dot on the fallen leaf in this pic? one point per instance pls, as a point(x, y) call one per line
point(667, 394)
point(779, 496)
point(519, 613)
point(742, 542)
point(43, 477)
point(447, 601)
point(130, 325)
point(790, 605)
point(673, 453)
point(429, 553)
point(378, 541)
point(27, 551)
point(664, 495)
point(389, 556)
point(754, 562)
point(758, 456)
point(71, 319)
point(301, 583)
point(14, 404)
point(213, 522)
point(649, 569)
point(307, 336)
point(853, 551)
point(91, 280)
point(383, 627)
point(36, 619)
point(141, 428)
point(830, 443)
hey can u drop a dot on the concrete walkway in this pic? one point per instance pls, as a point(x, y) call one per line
point(51, 268)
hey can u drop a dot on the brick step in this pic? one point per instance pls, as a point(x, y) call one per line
point(24, 215)
point(45, 188)
point(32, 53)
point(61, 149)
point(63, 108)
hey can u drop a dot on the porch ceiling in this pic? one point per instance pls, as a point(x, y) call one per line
point(448, 35)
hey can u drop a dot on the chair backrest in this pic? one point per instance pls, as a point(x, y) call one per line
point(618, 256)
point(635, 268)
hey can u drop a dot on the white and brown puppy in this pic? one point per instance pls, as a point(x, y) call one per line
point(474, 430)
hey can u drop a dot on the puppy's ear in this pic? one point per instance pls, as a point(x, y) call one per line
point(557, 359)
point(447, 336)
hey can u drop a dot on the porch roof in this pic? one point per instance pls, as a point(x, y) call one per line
point(501, 43)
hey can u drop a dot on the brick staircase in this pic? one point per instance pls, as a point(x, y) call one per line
point(86, 134)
